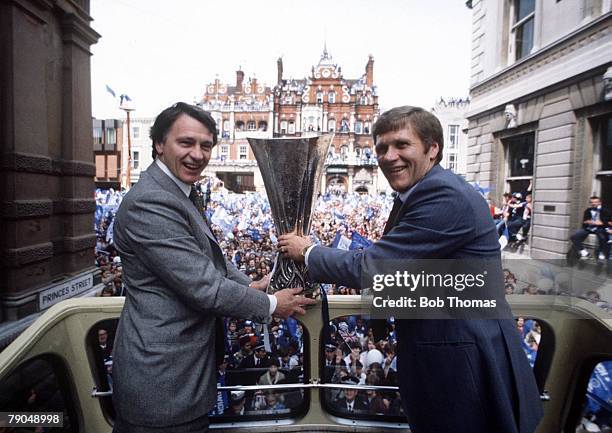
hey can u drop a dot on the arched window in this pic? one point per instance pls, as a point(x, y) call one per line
point(240, 125)
point(331, 97)
point(291, 127)
point(251, 125)
point(283, 127)
point(319, 97)
point(358, 127)
point(331, 125)
point(263, 125)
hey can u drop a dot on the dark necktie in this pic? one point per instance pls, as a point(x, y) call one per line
point(198, 202)
point(397, 204)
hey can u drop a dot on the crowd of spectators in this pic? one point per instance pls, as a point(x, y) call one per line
point(106, 257)
point(253, 355)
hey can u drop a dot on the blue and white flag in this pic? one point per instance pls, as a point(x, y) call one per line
point(111, 91)
point(599, 389)
point(124, 97)
point(358, 241)
point(341, 242)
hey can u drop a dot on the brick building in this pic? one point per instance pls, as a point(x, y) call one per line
point(107, 145)
point(324, 102)
point(240, 110)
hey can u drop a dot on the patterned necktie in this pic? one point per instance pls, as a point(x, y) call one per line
point(198, 202)
point(196, 199)
point(397, 204)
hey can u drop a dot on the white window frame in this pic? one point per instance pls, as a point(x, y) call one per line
point(243, 152)
point(517, 25)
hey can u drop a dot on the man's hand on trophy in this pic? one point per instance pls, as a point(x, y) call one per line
point(261, 284)
point(293, 246)
point(290, 303)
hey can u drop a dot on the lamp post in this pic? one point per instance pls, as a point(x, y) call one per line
point(128, 172)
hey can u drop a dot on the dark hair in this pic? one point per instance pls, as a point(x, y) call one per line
point(426, 125)
point(595, 197)
point(165, 120)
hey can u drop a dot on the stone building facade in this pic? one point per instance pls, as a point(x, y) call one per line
point(451, 113)
point(541, 109)
point(47, 171)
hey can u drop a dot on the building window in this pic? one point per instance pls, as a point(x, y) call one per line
point(453, 137)
point(366, 128)
point(243, 152)
point(111, 138)
point(319, 97)
point(251, 125)
point(97, 138)
point(520, 155)
point(363, 100)
point(240, 125)
point(523, 28)
point(452, 162)
point(602, 129)
point(344, 125)
point(135, 159)
point(331, 97)
point(331, 125)
point(262, 125)
point(136, 131)
point(358, 127)
point(344, 151)
point(291, 128)
point(226, 125)
point(224, 152)
point(283, 127)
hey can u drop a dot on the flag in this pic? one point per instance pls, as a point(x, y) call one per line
point(124, 97)
point(111, 91)
point(338, 216)
point(254, 234)
point(358, 241)
point(483, 191)
point(341, 242)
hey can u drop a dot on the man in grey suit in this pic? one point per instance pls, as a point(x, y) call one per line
point(177, 283)
point(467, 375)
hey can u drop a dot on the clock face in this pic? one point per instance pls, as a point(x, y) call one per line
point(210, 89)
point(326, 73)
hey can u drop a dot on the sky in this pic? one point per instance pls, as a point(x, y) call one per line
point(160, 52)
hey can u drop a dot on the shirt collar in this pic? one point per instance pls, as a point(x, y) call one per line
point(185, 187)
point(404, 195)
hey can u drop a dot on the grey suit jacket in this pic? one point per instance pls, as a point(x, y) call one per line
point(177, 281)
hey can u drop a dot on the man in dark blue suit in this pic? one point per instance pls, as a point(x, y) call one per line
point(467, 376)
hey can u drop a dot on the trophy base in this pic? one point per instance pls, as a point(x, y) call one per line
point(289, 274)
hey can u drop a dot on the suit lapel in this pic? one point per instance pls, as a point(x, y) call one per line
point(406, 203)
point(169, 185)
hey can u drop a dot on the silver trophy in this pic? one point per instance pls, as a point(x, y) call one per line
point(291, 169)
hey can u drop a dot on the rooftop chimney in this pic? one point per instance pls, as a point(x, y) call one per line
point(279, 70)
point(239, 79)
point(370, 71)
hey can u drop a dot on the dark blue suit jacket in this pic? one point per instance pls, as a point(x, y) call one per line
point(468, 376)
